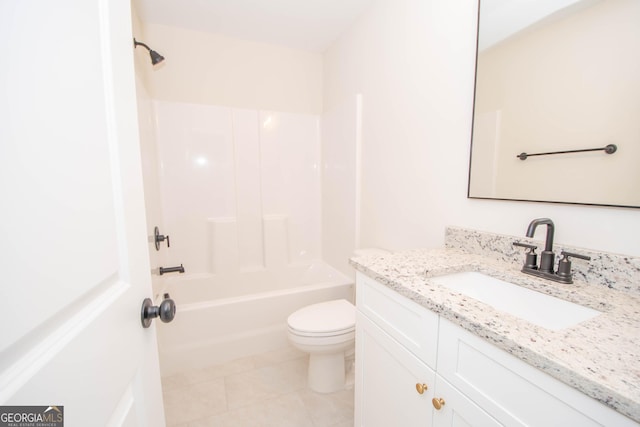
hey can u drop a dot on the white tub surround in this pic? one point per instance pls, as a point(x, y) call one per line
point(598, 357)
point(240, 188)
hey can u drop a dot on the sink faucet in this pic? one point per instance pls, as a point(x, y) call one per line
point(547, 257)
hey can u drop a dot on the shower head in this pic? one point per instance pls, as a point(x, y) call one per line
point(156, 58)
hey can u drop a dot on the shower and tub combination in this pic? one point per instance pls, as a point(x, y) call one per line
point(228, 317)
point(239, 193)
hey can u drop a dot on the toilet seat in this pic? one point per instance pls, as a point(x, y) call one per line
point(325, 319)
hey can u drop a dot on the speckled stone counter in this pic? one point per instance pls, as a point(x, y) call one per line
point(600, 357)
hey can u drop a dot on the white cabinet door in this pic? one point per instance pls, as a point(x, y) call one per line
point(456, 410)
point(74, 258)
point(386, 378)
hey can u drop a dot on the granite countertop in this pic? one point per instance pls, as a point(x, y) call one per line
point(600, 357)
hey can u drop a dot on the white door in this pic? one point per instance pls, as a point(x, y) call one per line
point(73, 248)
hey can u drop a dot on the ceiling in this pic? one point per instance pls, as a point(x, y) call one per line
point(311, 25)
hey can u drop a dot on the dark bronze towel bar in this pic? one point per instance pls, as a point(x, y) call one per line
point(609, 149)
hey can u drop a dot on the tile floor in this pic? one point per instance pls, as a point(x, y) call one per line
point(269, 389)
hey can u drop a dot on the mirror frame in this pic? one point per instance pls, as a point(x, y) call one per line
point(473, 117)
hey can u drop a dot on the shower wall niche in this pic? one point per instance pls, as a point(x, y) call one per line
point(240, 189)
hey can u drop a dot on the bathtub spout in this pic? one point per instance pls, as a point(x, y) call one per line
point(164, 270)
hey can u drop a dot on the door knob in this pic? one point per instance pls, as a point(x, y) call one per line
point(166, 311)
point(420, 388)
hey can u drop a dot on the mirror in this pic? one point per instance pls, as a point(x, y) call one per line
point(556, 76)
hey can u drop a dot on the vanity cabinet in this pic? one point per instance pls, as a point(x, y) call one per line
point(416, 368)
point(396, 354)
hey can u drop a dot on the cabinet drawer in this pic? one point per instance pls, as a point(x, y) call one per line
point(512, 391)
point(409, 323)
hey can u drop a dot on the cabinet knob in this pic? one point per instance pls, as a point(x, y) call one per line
point(438, 402)
point(420, 388)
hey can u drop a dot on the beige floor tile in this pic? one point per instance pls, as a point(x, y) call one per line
point(327, 410)
point(265, 390)
point(219, 371)
point(282, 411)
point(251, 387)
point(194, 402)
point(215, 421)
point(174, 381)
point(278, 356)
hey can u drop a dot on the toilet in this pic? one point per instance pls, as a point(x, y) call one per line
point(324, 330)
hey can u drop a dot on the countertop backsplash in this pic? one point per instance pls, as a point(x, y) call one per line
point(621, 272)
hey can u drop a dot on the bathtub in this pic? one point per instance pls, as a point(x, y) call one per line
point(224, 317)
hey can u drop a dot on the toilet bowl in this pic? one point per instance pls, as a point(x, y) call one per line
point(324, 330)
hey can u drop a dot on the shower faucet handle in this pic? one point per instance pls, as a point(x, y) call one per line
point(158, 238)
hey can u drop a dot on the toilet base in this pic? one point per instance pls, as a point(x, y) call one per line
point(326, 372)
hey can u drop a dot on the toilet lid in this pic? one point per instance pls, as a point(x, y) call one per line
point(330, 316)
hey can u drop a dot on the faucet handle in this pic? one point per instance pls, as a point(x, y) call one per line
point(566, 254)
point(531, 260)
point(564, 265)
point(160, 238)
point(531, 248)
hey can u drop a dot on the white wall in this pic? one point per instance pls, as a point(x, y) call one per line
point(149, 157)
point(141, 58)
point(413, 62)
point(206, 68)
point(148, 150)
point(340, 182)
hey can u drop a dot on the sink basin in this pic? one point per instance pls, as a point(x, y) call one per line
point(537, 308)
